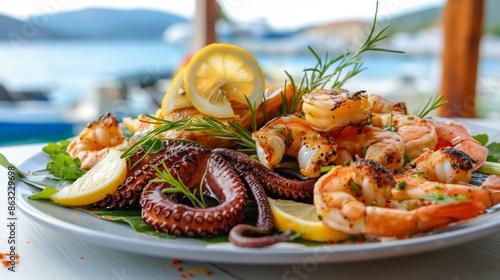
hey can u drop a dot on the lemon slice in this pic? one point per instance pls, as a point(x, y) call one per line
point(221, 73)
point(131, 124)
point(175, 97)
point(303, 219)
point(100, 180)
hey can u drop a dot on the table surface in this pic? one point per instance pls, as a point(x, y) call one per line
point(48, 254)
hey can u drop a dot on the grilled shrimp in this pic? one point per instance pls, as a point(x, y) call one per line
point(380, 145)
point(294, 136)
point(445, 172)
point(446, 165)
point(94, 142)
point(418, 134)
point(420, 189)
point(380, 105)
point(457, 136)
point(353, 199)
point(330, 110)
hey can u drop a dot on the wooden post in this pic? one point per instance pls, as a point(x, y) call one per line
point(206, 15)
point(463, 26)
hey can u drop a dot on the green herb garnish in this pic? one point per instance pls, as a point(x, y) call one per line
point(439, 198)
point(432, 104)
point(320, 75)
point(232, 131)
point(61, 163)
point(390, 127)
point(177, 186)
point(356, 188)
point(401, 185)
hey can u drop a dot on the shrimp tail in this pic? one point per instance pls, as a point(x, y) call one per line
point(492, 182)
point(440, 215)
point(401, 223)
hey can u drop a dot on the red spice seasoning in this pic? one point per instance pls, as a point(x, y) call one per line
point(176, 261)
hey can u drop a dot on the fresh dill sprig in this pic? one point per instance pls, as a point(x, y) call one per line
point(432, 104)
point(320, 75)
point(177, 186)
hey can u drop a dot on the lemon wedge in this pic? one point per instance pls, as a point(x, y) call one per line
point(100, 180)
point(175, 97)
point(303, 219)
point(219, 74)
point(131, 124)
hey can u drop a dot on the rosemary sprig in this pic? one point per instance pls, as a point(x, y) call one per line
point(320, 75)
point(432, 104)
point(252, 118)
point(177, 186)
point(229, 131)
point(164, 125)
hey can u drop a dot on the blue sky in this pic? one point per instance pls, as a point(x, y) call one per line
point(280, 14)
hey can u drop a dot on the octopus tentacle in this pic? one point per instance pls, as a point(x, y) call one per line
point(177, 156)
point(245, 235)
point(274, 184)
point(166, 213)
point(127, 194)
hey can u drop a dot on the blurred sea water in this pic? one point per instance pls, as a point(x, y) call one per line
point(68, 68)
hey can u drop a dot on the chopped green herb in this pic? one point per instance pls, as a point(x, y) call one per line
point(419, 174)
point(356, 188)
point(407, 159)
point(460, 197)
point(439, 198)
point(390, 126)
point(401, 185)
point(278, 129)
point(410, 206)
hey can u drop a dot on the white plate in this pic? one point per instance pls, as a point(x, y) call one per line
point(83, 226)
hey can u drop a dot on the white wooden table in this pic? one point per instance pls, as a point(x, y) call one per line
point(47, 254)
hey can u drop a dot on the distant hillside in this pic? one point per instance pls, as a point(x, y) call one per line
point(422, 19)
point(96, 24)
point(415, 21)
point(17, 29)
point(7, 24)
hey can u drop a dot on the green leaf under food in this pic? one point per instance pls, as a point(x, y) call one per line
point(482, 138)
point(494, 152)
point(46, 194)
point(43, 178)
point(133, 218)
point(5, 163)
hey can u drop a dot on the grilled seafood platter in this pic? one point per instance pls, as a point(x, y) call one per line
point(225, 147)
